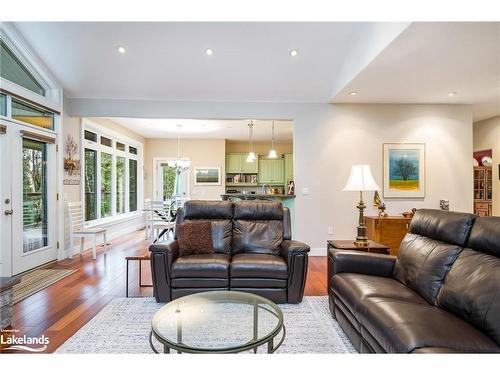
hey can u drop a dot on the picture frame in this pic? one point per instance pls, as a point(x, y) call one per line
point(207, 176)
point(404, 170)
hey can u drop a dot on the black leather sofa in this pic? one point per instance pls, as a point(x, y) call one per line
point(440, 295)
point(253, 252)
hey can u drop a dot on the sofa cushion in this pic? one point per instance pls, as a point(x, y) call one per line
point(423, 264)
point(258, 266)
point(222, 234)
point(263, 236)
point(206, 265)
point(472, 291)
point(485, 235)
point(199, 209)
point(258, 210)
point(403, 326)
point(352, 288)
point(194, 238)
point(445, 226)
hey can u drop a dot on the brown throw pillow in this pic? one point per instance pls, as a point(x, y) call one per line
point(194, 238)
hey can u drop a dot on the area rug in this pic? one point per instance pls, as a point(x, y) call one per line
point(36, 280)
point(123, 326)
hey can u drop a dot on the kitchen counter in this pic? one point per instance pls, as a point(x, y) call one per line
point(229, 196)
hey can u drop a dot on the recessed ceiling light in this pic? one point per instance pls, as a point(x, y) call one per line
point(121, 49)
point(209, 51)
point(294, 52)
point(452, 93)
point(353, 93)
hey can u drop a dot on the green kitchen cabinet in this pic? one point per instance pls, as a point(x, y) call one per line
point(233, 163)
point(237, 163)
point(288, 168)
point(249, 167)
point(272, 171)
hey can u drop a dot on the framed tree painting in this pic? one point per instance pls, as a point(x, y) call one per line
point(207, 176)
point(404, 170)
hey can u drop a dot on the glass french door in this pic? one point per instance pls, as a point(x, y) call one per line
point(30, 215)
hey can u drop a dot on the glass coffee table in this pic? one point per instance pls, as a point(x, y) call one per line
point(218, 322)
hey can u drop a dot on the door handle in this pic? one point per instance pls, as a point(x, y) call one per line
point(9, 212)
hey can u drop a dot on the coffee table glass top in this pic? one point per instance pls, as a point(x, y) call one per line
point(217, 321)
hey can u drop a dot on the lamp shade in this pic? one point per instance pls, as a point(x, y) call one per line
point(361, 179)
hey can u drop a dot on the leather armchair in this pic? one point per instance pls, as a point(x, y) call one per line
point(253, 252)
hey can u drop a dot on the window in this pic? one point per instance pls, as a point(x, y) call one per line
point(3, 105)
point(112, 180)
point(106, 141)
point(132, 172)
point(106, 160)
point(90, 190)
point(34, 195)
point(14, 71)
point(32, 115)
point(89, 136)
point(120, 185)
point(120, 146)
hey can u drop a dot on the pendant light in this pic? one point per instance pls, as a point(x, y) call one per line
point(272, 153)
point(180, 165)
point(251, 155)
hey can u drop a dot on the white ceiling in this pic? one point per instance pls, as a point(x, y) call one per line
point(384, 62)
point(430, 60)
point(234, 130)
point(251, 61)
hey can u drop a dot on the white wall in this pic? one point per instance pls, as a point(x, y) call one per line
point(72, 193)
point(486, 137)
point(201, 153)
point(328, 139)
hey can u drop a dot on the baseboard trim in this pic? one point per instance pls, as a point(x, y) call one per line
point(317, 252)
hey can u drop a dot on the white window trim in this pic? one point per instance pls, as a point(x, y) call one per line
point(53, 91)
point(101, 130)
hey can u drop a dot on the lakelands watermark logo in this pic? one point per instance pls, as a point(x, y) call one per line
point(11, 340)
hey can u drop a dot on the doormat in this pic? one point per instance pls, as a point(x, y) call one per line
point(36, 280)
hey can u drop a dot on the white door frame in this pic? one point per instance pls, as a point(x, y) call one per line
point(5, 205)
point(155, 171)
point(18, 261)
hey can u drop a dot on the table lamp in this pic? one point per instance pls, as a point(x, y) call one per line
point(361, 180)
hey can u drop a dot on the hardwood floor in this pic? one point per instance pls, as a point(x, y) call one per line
point(63, 308)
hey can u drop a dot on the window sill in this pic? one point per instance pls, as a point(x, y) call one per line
point(117, 219)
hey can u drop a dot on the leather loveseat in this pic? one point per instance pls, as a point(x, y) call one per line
point(253, 252)
point(440, 295)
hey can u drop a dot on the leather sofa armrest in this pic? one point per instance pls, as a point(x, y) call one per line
point(354, 261)
point(289, 248)
point(162, 258)
point(295, 254)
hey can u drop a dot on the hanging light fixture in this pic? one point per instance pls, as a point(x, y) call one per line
point(272, 153)
point(180, 165)
point(251, 155)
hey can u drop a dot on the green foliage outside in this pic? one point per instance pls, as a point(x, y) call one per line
point(168, 182)
point(105, 184)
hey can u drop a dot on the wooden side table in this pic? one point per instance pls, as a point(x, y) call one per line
point(138, 258)
point(371, 247)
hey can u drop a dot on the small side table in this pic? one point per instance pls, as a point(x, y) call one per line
point(372, 247)
point(138, 258)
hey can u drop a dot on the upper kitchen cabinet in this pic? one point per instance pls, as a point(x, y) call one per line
point(237, 163)
point(272, 171)
point(288, 168)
